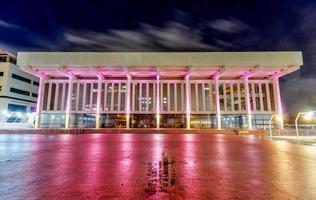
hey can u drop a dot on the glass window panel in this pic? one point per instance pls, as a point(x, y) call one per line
point(271, 97)
point(137, 97)
point(88, 93)
point(257, 96)
point(207, 96)
point(184, 99)
point(66, 95)
point(236, 101)
point(228, 97)
point(73, 99)
point(200, 97)
point(102, 96)
point(95, 97)
point(179, 98)
point(193, 107)
point(60, 93)
point(123, 95)
point(250, 97)
point(221, 96)
point(172, 97)
point(131, 96)
point(144, 97)
point(115, 101)
point(108, 96)
point(52, 97)
point(242, 93)
point(264, 97)
point(164, 97)
point(151, 97)
point(213, 93)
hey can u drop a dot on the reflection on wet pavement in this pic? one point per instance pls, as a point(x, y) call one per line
point(154, 166)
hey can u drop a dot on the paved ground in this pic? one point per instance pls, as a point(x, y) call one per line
point(152, 166)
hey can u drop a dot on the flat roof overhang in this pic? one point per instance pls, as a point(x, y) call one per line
point(168, 64)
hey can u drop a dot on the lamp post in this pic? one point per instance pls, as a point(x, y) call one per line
point(278, 117)
point(308, 116)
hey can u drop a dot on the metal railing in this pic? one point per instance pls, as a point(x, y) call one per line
point(304, 130)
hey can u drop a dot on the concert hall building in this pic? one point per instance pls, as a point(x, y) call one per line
point(158, 89)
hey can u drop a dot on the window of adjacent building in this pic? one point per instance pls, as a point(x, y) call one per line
point(16, 108)
point(35, 83)
point(3, 58)
point(0, 88)
point(1, 73)
point(34, 95)
point(15, 76)
point(12, 60)
point(18, 91)
point(33, 109)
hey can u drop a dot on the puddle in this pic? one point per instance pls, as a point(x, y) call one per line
point(162, 177)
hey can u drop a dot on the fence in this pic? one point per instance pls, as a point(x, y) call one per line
point(304, 130)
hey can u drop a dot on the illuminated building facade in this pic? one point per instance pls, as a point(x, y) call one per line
point(18, 89)
point(158, 89)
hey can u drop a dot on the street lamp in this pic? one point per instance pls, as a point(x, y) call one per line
point(307, 116)
point(278, 117)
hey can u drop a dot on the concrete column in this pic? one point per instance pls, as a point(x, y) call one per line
point(188, 100)
point(278, 101)
point(99, 95)
point(247, 101)
point(218, 108)
point(128, 100)
point(39, 105)
point(69, 101)
point(158, 101)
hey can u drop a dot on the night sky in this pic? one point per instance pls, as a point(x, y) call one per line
point(174, 25)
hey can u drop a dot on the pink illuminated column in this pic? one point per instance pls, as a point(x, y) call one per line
point(218, 108)
point(128, 100)
point(99, 94)
point(278, 101)
point(158, 100)
point(39, 104)
point(69, 101)
point(247, 101)
point(188, 100)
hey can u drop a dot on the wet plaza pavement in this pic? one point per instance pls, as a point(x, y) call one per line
point(154, 166)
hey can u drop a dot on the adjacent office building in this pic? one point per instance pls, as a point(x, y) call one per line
point(18, 89)
point(158, 89)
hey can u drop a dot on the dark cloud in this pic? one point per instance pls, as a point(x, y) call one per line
point(228, 25)
point(171, 36)
point(5, 24)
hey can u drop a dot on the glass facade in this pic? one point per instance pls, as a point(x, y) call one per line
point(173, 100)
